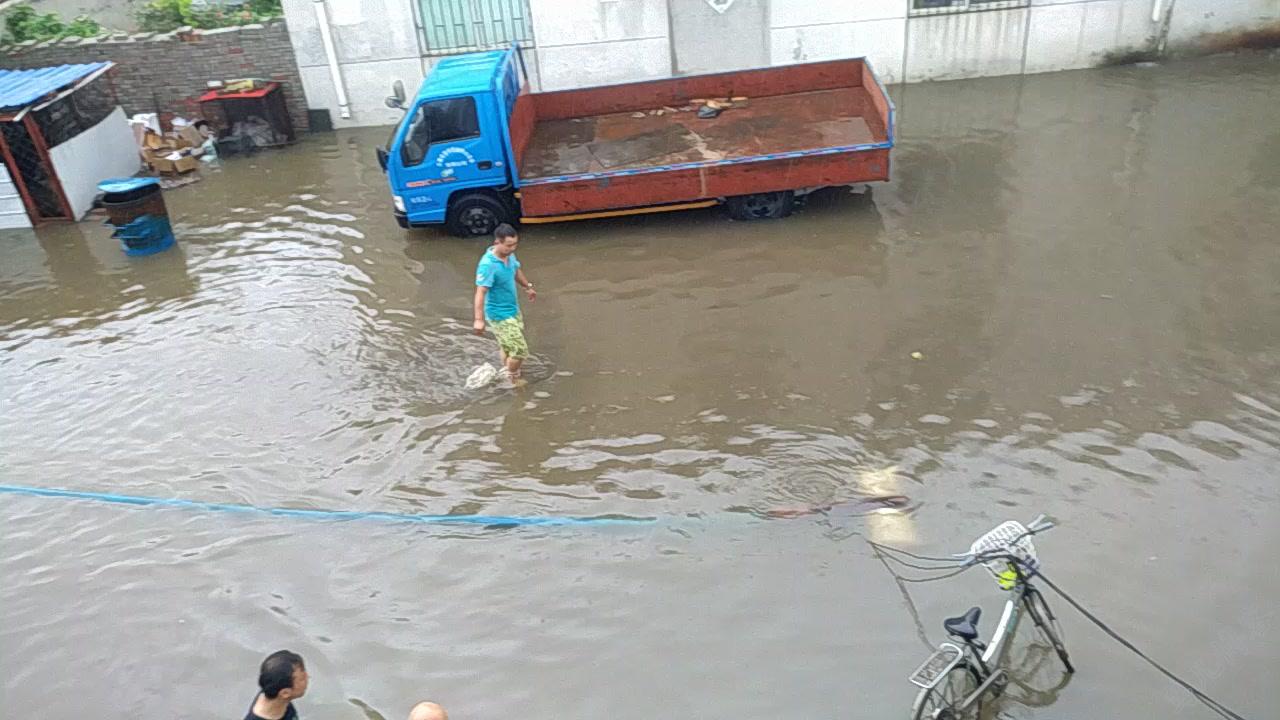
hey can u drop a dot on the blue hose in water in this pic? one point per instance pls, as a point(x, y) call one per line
point(487, 520)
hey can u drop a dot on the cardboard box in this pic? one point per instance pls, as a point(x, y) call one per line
point(186, 164)
point(161, 162)
point(189, 136)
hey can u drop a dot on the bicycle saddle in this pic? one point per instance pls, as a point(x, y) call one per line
point(964, 627)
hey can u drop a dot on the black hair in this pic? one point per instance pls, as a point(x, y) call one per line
point(504, 231)
point(276, 672)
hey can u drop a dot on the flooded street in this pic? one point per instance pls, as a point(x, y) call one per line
point(1085, 262)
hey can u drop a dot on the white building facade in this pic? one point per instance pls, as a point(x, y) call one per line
point(574, 43)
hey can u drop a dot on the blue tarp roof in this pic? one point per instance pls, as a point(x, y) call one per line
point(19, 88)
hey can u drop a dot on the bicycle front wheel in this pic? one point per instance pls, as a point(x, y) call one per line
point(1048, 625)
point(944, 700)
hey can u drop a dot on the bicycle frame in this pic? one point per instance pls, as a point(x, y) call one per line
point(991, 659)
point(1007, 625)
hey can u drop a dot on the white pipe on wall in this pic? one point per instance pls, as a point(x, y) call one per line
point(330, 52)
point(1156, 7)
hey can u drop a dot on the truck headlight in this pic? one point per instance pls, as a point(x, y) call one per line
point(398, 202)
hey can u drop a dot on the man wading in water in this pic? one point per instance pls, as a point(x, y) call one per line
point(282, 679)
point(496, 303)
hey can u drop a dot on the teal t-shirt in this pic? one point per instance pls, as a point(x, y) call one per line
point(500, 277)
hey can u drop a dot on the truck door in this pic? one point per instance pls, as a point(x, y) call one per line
point(448, 144)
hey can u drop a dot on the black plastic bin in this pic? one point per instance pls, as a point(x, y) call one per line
point(135, 208)
point(128, 201)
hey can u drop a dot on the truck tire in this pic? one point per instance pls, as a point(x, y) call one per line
point(761, 206)
point(476, 214)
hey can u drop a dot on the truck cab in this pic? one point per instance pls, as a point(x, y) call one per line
point(449, 160)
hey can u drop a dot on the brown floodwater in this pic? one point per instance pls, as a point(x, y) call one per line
point(1086, 264)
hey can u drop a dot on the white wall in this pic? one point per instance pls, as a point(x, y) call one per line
point(376, 44)
point(1065, 35)
point(1192, 19)
point(592, 42)
point(805, 31)
point(969, 44)
point(596, 42)
point(1044, 35)
point(106, 150)
point(13, 213)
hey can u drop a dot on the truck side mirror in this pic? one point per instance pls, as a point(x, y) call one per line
point(397, 96)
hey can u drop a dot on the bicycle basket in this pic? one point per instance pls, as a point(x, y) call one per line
point(1011, 537)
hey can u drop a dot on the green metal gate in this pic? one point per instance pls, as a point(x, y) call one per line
point(454, 26)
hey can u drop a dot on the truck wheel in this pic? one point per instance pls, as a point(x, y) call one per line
point(476, 214)
point(761, 206)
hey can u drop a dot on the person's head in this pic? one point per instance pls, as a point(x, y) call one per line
point(283, 676)
point(428, 711)
point(505, 240)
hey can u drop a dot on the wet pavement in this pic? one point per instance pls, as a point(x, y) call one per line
point(1085, 263)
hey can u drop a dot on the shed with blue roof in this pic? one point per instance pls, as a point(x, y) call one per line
point(61, 132)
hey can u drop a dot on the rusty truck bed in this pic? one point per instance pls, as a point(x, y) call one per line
point(762, 126)
point(805, 125)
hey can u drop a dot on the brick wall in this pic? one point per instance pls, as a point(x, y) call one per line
point(172, 69)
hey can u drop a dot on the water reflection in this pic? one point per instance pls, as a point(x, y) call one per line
point(1062, 303)
point(76, 276)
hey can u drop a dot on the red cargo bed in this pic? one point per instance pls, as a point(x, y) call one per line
point(808, 125)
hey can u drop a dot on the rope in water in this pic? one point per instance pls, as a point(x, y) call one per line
point(483, 520)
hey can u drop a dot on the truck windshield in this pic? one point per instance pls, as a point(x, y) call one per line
point(439, 121)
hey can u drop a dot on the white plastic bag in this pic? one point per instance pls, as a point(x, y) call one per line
point(481, 376)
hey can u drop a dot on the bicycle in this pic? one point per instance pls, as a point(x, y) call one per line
point(954, 680)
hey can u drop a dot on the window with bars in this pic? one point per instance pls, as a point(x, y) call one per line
point(453, 26)
point(935, 7)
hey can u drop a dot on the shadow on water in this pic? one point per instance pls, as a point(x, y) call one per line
point(76, 275)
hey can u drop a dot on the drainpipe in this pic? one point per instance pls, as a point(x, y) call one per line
point(1162, 13)
point(326, 37)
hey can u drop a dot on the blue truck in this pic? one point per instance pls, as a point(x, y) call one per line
point(476, 148)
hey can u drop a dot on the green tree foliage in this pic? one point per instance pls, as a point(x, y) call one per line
point(167, 15)
point(23, 23)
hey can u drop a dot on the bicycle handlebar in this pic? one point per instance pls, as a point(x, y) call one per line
point(1038, 525)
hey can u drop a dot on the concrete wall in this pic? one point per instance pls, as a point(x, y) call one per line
point(591, 42)
point(618, 41)
point(808, 31)
point(172, 70)
point(705, 39)
point(376, 43)
point(1194, 19)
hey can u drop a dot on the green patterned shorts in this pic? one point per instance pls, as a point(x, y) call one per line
point(510, 334)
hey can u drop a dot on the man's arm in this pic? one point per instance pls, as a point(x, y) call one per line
point(523, 282)
point(477, 308)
